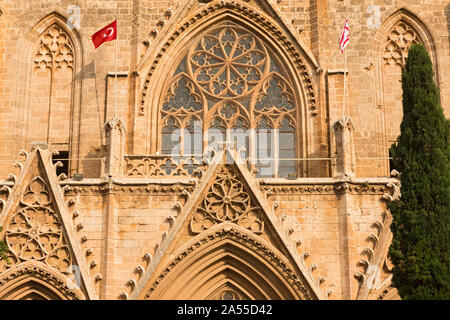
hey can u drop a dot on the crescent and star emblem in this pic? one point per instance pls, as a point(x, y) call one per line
point(111, 32)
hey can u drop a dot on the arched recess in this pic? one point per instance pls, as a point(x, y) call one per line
point(49, 86)
point(36, 281)
point(392, 41)
point(226, 260)
point(156, 84)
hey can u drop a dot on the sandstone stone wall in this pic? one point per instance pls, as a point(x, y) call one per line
point(372, 104)
point(330, 223)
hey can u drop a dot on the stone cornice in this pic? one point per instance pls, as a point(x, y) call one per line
point(331, 186)
point(105, 188)
point(377, 186)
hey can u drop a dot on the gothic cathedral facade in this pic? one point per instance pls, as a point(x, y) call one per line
point(212, 151)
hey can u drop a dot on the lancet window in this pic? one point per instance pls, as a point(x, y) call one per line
point(51, 90)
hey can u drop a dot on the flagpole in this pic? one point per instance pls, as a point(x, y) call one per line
point(115, 45)
point(345, 83)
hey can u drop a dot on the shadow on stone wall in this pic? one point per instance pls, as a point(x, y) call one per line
point(447, 13)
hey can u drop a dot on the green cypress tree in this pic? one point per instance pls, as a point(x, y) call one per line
point(421, 216)
point(3, 249)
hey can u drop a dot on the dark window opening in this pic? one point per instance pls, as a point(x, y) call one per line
point(391, 162)
point(63, 156)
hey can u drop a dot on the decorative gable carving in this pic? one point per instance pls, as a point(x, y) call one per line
point(38, 230)
point(227, 200)
point(225, 211)
point(35, 230)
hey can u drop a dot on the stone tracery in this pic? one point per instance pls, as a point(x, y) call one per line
point(55, 50)
point(255, 17)
point(399, 40)
point(35, 232)
point(396, 42)
point(227, 81)
point(227, 200)
point(228, 63)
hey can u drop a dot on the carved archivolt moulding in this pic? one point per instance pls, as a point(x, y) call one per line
point(241, 236)
point(227, 293)
point(33, 271)
point(227, 200)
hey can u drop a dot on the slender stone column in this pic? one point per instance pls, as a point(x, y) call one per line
point(115, 143)
point(344, 149)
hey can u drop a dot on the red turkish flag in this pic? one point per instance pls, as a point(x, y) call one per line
point(108, 33)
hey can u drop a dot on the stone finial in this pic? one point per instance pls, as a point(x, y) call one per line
point(148, 256)
point(140, 269)
point(132, 283)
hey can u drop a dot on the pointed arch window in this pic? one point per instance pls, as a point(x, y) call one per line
point(193, 137)
point(230, 80)
point(51, 88)
point(170, 137)
point(264, 150)
point(286, 148)
point(216, 134)
point(396, 45)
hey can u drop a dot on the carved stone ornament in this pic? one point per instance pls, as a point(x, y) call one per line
point(35, 231)
point(115, 123)
point(13, 278)
point(250, 241)
point(164, 166)
point(399, 40)
point(331, 188)
point(55, 50)
point(227, 200)
point(223, 86)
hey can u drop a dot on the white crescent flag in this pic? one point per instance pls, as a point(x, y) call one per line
point(105, 34)
point(345, 38)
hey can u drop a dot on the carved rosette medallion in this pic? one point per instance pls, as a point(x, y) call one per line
point(227, 200)
point(35, 231)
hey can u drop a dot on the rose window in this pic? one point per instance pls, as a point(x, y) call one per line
point(228, 64)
